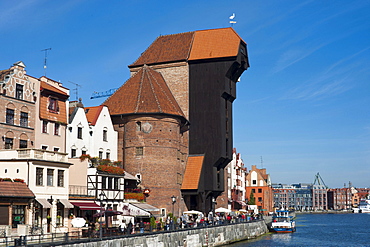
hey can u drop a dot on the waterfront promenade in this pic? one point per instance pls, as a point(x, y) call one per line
point(200, 236)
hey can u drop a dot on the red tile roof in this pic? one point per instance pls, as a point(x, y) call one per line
point(92, 113)
point(145, 92)
point(204, 44)
point(15, 189)
point(46, 86)
point(192, 172)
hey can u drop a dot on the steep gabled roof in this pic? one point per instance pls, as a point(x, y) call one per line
point(192, 173)
point(146, 92)
point(197, 45)
point(92, 113)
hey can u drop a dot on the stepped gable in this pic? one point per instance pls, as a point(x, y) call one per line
point(191, 46)
point(146, 92)
point(92, 113)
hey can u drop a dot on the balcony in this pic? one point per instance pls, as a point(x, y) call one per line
point(39, 154)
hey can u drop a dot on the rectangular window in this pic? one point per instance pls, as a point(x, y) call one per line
point(116, 183)
point(39, 176)
point(254, 181)
point(19, 91)
point(44, 147)
point(79, 133)
point(53, 105)
point(110, 183)
point(260, 199)
point(105, 135)
point(22, 143)
point(50, 176)
point(8, 143)
point(56, 129)
point(60, 178)
point(44, 126)
point(253, 190)
point(139, 151)
point(259, 190)
point(9, 116)
point(56, 149)
point(24, 119)
point(103, 182)
point(73, 153)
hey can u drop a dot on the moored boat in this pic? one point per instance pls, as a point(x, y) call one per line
point(363, 206)
point(282, 222)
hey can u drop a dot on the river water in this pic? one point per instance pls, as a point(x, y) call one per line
point(320, 230)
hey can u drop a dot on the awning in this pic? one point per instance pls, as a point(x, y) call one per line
point(129, 209)
point(146, 207)
point(86, 205)
point(44, 202)
point(66, 203)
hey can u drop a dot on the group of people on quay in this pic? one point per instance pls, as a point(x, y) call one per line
point(174, 223)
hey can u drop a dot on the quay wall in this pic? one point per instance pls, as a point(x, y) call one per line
point(207, 236)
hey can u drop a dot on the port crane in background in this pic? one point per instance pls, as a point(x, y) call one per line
point(319, 180)
point(103, 94)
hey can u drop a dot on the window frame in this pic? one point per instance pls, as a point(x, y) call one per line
point(50, 177)
point(44, 127)
point(79, 133)
point(60, 182)
point(139, 151)
point(39, 176)
point(105, 135)
point(22, 142)
point(19, 91)
point(56, 129)
point(9, 142)
point(23, 120)
point(53, 105)
point(9, 119)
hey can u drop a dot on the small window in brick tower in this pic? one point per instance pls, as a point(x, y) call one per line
point(139, 151)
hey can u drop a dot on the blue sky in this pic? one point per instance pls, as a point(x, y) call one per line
point(302, 107)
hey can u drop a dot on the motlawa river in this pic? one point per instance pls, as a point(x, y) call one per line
point(319, 230)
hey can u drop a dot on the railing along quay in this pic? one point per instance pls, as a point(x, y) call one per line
point(59, 239)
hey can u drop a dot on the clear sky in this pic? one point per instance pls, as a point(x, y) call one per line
point(302, 107)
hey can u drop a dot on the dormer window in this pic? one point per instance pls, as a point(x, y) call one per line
point(19, 91)
point(53, 105)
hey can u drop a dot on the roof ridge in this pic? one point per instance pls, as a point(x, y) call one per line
point(153, 89)
point(140, 88)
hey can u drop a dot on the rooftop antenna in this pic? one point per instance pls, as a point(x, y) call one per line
point(45, 59)
point(261, 162)
point(75, 89)
point(232, 19)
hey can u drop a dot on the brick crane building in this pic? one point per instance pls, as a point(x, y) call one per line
point(201, 69)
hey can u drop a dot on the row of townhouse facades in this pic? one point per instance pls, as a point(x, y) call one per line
point(42, 179)
point(313, 197)
point(242, 183)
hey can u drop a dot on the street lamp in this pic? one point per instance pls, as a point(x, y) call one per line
point(101, 197)
point(173, 198)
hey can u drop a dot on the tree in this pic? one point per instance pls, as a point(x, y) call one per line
point(252, 200)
